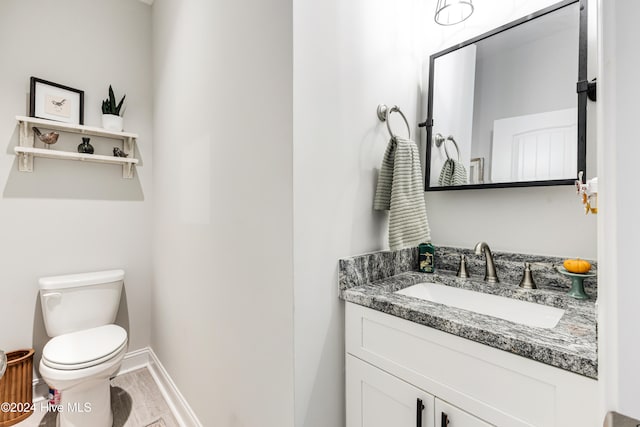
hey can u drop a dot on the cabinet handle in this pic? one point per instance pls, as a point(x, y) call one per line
point(419, 409)
point(444, 420)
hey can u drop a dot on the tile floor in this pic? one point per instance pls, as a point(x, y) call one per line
point(136, 401)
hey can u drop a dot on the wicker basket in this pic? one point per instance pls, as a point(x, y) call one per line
point(16, 387)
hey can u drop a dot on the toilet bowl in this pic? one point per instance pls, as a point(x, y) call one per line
point(86, 348)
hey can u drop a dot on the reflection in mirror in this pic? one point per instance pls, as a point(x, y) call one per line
point(503, 106)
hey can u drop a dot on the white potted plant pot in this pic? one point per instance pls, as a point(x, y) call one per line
point(112, 122)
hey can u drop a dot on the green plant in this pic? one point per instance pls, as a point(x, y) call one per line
point(109, 105)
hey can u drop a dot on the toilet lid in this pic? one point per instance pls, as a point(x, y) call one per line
point(84, 348)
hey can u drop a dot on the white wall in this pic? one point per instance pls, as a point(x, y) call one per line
point(69, 217)
point(618, 231)
point(349, 56)
point(528, 220)
point(223, 287)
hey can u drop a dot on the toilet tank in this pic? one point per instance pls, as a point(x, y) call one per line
point(80, 301)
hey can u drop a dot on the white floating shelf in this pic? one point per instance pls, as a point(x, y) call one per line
point(82, 129)
point(69, 155)
point(26, 151)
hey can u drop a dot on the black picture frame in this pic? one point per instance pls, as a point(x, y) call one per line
point(53, 101)
point(582, 91)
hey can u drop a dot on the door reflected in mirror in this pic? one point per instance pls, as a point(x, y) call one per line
point(503, 106)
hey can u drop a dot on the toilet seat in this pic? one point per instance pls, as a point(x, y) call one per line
point(83, 349)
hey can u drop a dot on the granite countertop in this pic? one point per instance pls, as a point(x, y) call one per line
point(371, 281)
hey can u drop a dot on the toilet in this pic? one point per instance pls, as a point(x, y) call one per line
point(86, 349)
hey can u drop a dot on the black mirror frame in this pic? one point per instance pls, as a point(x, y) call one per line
point(582, 88)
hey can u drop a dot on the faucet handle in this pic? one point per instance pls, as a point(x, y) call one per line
point(527, 281)
point(462, 269)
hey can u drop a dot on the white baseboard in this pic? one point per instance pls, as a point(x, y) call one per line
point(137, 359)
point(176, 401)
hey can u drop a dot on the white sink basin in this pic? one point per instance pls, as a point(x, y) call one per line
point(523, 312)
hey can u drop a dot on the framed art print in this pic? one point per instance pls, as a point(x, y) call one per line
point(57, 102)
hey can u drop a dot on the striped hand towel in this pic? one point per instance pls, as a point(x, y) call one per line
point(400, 191)
point(453, 173)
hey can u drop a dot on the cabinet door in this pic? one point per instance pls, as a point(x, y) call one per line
point(450, 416)
point(378, 399)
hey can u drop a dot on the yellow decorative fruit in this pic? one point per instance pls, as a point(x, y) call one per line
point(577, 265)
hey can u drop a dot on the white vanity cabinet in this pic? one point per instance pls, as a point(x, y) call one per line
point(378, 399)
point(392, 362)
point(449, 415)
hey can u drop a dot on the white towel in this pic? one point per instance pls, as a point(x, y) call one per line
point(453, 173)
point(401, 192)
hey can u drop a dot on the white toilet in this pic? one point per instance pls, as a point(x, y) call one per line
point(86, 348)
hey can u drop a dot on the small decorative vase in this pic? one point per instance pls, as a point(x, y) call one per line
point(85, 147)
point(112, 122)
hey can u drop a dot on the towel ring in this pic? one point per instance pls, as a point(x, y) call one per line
point(383, 114)
point(440, 140)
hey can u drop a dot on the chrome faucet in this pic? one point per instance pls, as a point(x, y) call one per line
point(490, 274)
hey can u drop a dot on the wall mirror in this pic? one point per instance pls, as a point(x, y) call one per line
point(503, 110)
